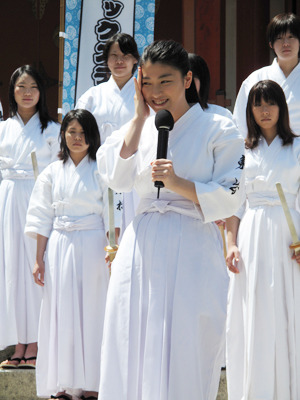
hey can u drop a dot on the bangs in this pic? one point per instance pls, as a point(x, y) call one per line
point(281, 24)
point(267, 93)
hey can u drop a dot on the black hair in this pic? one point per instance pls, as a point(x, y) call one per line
point(173, 54)
point(41, 106)
point(282, 23)
point(270, 92)
point(91, 132)
point(127, 45)
point(200, 70)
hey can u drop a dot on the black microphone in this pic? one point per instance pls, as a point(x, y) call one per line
point(164, 123)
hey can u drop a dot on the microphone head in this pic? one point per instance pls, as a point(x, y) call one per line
point(164, 120)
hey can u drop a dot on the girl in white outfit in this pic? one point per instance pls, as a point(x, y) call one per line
point(29, 128)
point(263, 333)
point(112, 102)
point(165, 318)
point(67, 215)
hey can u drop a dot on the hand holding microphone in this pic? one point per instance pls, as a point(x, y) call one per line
point(164, 123)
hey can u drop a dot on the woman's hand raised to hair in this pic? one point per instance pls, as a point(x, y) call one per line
point(142, 109)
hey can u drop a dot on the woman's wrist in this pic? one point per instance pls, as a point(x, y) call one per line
point(138, 121)
point(40, 258)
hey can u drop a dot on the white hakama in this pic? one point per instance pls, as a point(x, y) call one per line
point(68, 205)
point(113, 107)
point(21, 297)
point(263, 333)
point(290, 85)
point(166, 308)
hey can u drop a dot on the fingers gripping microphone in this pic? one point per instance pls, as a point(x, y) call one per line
point(164, 123)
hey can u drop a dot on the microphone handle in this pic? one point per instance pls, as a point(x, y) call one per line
point(162, 150)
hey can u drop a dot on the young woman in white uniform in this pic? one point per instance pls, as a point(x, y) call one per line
point(165, 317)
point(263, 333)
point(112, 102)
point(29, 128)
point(68, 215)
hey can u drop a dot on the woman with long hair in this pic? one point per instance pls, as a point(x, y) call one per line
point(29, 128)
point(263, 332)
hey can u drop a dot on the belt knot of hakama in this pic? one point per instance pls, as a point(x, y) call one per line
point(163, 205)
point(11, 173)
point(87, 222)
point(270, 199)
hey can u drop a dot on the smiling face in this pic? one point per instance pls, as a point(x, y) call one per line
point(286, 47)
point(164, 88)
point(26, 93)
point(75, 140)
point(266, 115)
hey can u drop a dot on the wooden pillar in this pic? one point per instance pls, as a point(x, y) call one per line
point(252, 47)
point(292, 6)
point(168, 20)
point(210, 41)
point(188, 25)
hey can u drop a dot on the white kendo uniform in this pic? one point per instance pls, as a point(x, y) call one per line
point(164, 327)
point(263, 333)
point(21, 297)
point(69, 206)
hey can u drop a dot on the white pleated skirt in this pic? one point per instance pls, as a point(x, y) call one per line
point(20, 296)
point(165, 318)
point(72, 312)
point(263, 332)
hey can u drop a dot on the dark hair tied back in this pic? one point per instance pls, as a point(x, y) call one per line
point(200, 70)
point(173, 54)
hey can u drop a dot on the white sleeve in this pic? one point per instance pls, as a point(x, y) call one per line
point(40, 213)
point(239, 112)
point(85, 101)
point(52, 138)
point(241, 211)
point(222, 196)
point(117, 172)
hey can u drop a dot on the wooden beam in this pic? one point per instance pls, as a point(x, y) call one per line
point(210, 41)
point(188, 25)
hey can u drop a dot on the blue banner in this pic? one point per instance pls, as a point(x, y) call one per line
point(88, 24)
